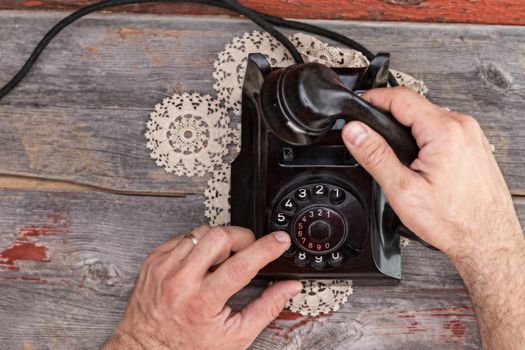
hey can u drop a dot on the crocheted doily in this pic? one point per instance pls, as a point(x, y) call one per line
point(314, 50)
point(190, 135)
point(320, 297)
point(409, 81)
point(217, 195)
point(231, 64)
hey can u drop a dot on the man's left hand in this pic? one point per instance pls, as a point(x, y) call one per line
point(180, 303)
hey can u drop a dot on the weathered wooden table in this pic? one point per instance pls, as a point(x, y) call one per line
point(82, 203)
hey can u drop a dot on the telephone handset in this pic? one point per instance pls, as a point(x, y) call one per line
point(294, 173)
point(301, 103)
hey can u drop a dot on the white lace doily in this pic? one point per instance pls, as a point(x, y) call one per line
point(409, 81)
point(189, 135)
point(314, 50)
point(231, 64)
point(320, 297)
point(218, 197)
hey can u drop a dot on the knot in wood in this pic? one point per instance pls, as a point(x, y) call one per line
point(494, 76)
point(101, 273)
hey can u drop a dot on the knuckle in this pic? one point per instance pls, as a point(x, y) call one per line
point(218, 234)
point(453, 127)
point(375, 154)
point(238, 268)
point(404, 90)
point(470, 122)
point(202, 228)
point(158, 271)
point(152, 256)
point(144, 271)
point(147, 262)
point(406, 96)
point(243, 231)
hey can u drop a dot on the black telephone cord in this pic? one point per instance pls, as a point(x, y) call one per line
point(254, 16)
point(261, 19)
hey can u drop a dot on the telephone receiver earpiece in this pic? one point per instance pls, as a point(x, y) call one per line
point(302, 102)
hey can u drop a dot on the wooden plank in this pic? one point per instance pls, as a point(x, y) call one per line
point(81, 114)
point(481, 11)
point(68, 285)
point(70, 260)
point(72, 295)
point(69, 252)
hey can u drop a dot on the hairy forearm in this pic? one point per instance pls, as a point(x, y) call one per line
point(494, 272)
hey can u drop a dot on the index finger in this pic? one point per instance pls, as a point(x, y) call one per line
point(410, 109)
point(236, 272)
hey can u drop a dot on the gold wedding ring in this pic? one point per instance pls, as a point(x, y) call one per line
point(191, 236)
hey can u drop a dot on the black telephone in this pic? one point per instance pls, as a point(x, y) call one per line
point(294, 173)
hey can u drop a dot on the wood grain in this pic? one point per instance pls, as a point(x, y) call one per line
point(480, 11)
point(91, 247)
point(73, 295)
point(80, 115)
point(70, 249)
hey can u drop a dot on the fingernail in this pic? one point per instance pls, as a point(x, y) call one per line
point(356, 133)
point(282, 236)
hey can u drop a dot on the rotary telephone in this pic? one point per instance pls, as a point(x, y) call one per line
point(294, 173)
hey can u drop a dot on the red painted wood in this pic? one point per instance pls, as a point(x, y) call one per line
point(462, 11)
point(26, 246)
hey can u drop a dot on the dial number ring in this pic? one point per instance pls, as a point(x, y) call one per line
point(319, 230)
point(347, 224)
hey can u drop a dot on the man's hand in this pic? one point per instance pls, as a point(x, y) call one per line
point(178, 303)
point(455, 198)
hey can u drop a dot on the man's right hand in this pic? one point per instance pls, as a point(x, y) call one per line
point(454, 197)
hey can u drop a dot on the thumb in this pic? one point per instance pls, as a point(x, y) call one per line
point(263, 310)
point(377, 157)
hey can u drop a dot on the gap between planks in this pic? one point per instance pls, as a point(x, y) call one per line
point(459, 11)
point(19, 182)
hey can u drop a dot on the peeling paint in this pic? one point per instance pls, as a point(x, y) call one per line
point(456, 327)
point(288, 322)
point(23, 251)
point(23, 278)
point(32, 3)
point(26, 246)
